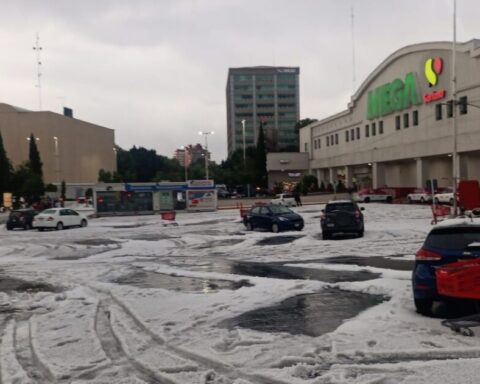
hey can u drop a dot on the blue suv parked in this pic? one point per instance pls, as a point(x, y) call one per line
point(273, 217)
point(448, 242)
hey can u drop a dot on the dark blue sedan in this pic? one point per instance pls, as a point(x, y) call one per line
point(273, 217)
point(448, 242)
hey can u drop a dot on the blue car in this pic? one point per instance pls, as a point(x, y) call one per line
point(448, 242)
point(273, 217)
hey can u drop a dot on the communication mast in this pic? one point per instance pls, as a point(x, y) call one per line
point(38, 48)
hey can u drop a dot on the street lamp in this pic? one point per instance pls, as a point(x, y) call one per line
point(206, 150)
point(185, 149)
point(57, 160)
point(244, 156)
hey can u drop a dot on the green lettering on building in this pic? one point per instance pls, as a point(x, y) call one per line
point(392, 97)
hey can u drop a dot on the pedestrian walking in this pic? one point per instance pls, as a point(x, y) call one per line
point(296, 196)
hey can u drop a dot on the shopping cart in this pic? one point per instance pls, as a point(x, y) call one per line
point(440, 212)
point(460, 280)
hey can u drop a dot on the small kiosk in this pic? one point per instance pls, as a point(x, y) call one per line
point(150, 198)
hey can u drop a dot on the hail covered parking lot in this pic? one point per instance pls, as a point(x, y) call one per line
point(202, 300)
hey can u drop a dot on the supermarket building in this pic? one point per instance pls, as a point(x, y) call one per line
point(398, 128)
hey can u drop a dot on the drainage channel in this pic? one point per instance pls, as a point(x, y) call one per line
point(312, 315)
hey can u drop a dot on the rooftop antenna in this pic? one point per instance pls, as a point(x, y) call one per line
point(353, 49)
point(38, 48)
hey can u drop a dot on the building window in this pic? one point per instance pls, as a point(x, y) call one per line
point(374, 129)
point(328, 141)
point(352, 134)
point(315, 144)
point(415, 118)
point(367, 130)
point(438, 112)
point(346, 136)
point(380, 127)
point(450, 108)
point(397, 122)
point(306, 147)
point(358, 133)
point(336, 138)
point(331, 140)
point(406, 122)
point(463, 105)
point(319, 143)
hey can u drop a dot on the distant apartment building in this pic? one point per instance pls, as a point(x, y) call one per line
point(190, 154)
point(267, 95)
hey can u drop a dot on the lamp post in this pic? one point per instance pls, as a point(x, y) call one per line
point(206, 150)
point(57, 160)
point(243, 137)
point(185, 161)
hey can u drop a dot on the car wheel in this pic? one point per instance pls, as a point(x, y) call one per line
point(360, 233)
point(422, 200)
point(436, 200)
point(366, 200)
point(249, 226)
point(40, 229)
point(451, 201)
point(410, 201)
point(424, 306)
point(27, 226)
point(9, 228)
point(326, 236)
point(275, 228)
point(389, 199)
point(59, 226)
point(84, 223)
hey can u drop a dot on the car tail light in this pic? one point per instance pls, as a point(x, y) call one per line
point(424, 255)
point(50, 218)
point(357, 214)
point(322, 216)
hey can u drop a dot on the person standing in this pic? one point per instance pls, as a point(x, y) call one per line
point(296, 196)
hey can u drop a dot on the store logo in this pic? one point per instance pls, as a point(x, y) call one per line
point(433, 68)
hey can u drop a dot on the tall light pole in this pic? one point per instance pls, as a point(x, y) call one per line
point(206, 150)
point(38, 48)
point(185, 161)
point(57, 160)
point(455, 159)
point(243, 136)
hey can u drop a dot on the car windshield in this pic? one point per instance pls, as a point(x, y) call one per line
point(340, 207)
point(280, 209)
point(15, 214)
point(49, 211)
point(453, 238)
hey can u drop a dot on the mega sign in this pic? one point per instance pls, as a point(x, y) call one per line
point(394, 96)
point(398, 94)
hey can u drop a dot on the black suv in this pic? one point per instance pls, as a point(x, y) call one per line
point(341, 217)
point(21, 218)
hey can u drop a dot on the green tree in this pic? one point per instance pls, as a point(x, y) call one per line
point(6, 171)
point(27, 184)
point(34, 157)
point(310, 183)
point(260, 168)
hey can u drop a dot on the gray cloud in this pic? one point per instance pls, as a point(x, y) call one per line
point(155, 71)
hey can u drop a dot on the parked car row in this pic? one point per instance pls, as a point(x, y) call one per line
point(52, 218)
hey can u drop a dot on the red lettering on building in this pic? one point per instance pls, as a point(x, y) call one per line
point(433, 96)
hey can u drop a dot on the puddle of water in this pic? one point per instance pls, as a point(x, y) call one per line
point(372, 261)
point(12, 284)
point(312, 315)
point(220, 243)
point(278, 240)
point(147, 279)
point(278, 271)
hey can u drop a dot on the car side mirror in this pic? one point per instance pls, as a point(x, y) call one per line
point(362, 208)
point(323, 211)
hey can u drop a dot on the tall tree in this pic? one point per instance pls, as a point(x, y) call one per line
point(261, 160)
point(6, 170)
point(34, 157)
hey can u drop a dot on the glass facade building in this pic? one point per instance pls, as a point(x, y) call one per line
point(267, 96)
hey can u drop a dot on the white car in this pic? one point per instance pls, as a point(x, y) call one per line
point(372, 195)
point(59, 218)
point(445, 197)
point(284, 199)
point(420, 196)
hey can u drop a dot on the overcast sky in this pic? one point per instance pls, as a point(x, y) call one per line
point(156, 71)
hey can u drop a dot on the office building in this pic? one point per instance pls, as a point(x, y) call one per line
point(267, 95)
